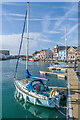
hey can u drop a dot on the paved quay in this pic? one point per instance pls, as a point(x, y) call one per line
point(75, 94)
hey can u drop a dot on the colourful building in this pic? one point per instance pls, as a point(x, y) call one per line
point(62, 54)
point(5, 52)
point(59, 52)
point(46, 54)
point(55, 52)
point(72, 53)
point(36, 55)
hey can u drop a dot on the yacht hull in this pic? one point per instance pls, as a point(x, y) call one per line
point(34, 100)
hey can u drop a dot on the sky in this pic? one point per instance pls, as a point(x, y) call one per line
point(47, 21)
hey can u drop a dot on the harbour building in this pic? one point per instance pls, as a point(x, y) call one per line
point(46, 54)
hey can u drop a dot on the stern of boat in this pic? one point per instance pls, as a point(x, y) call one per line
point(54, 101)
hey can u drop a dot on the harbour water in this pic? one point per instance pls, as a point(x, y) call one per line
point(11, 106)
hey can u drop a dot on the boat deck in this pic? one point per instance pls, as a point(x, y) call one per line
point(25, 83)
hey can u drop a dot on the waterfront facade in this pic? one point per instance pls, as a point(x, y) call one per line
point(78, 52)
point(72, 53)
point(36, 55)
point(59, 52)
point(55, 52)
point(62, 54)
point(5, 52)
point(46, 54)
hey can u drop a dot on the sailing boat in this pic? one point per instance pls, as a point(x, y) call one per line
point(57, 64)
point(32, 89)
point(36, 111)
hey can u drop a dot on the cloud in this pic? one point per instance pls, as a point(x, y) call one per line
point(46, 19)
point(13, 3)
point(46, 23)
point(59, 43)
point(16, 15)
point(45, 40)
point(17, 19)
point(50, 25)
point(66, 16)
point(12, 42)
point(38, 19)
point(53, 32)
point(73, 28)
point(72, 19)
point(72, 35)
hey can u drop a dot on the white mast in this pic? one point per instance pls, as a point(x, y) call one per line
point(65, 45)
point(27, 35)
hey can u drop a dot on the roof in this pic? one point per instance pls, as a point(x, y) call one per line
point(45, 49)
point(63, 47)
point(74, 47)
point(36, 52)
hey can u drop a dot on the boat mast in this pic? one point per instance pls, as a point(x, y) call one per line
point(27, 36)
point(65, 45)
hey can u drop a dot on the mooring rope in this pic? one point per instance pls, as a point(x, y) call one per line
point(62, 113)
point(20, 44)
point(57, 106)
point(60, 110)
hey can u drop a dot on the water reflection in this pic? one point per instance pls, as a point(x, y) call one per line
point(33, 111)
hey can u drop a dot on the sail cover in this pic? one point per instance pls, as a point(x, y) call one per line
point(34, 82)
point(27, 74)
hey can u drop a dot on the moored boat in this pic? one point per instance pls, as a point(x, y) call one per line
point(58, 65)
point(33, 60)
point(35, 110)
point(32, 89)
point(37, 93)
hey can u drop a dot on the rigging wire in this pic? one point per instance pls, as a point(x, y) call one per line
point(20, 44)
